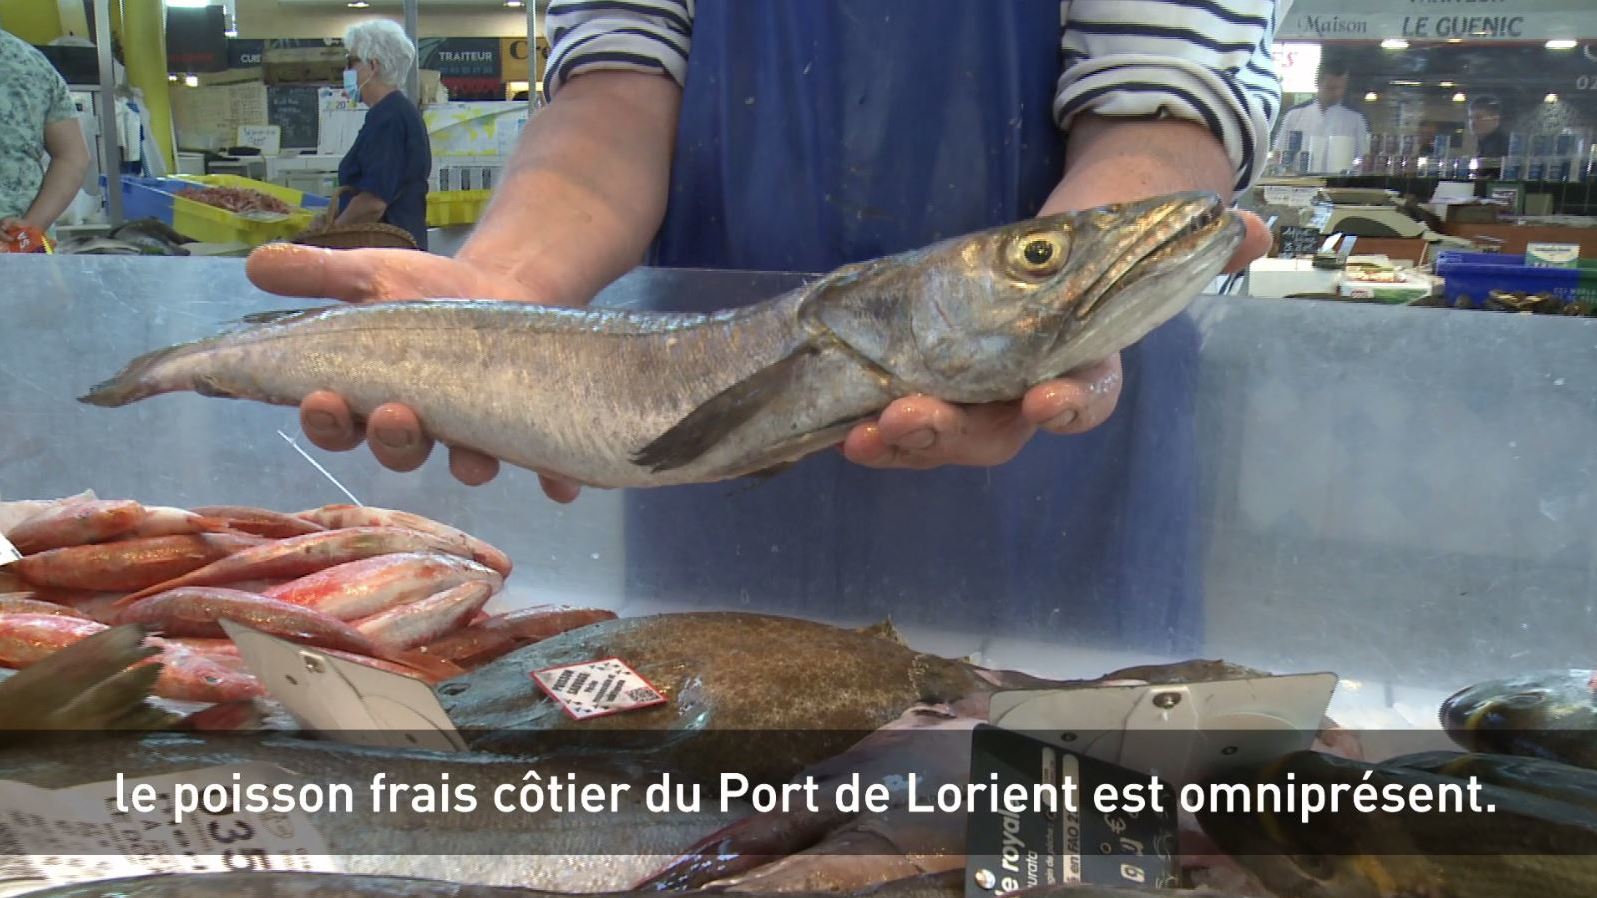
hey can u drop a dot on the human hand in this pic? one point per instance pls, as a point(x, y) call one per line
point(393, 431)
point(10, 225)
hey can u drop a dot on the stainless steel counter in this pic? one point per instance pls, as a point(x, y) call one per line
point(1404, 496)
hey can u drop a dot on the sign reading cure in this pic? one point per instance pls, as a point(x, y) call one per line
point(1473, 20)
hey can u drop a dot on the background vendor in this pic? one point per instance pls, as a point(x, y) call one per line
point(37, 117)
point(390, 161)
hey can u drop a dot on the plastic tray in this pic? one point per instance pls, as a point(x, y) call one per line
point(455, 207)
point(1469, 278)
point(157, 198)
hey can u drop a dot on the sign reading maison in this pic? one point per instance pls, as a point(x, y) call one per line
point(1475, 20)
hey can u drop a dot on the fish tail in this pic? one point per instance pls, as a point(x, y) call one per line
point(140, 379)
point(152, 373)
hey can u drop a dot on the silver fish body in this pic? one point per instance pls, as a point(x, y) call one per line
point(614, 398)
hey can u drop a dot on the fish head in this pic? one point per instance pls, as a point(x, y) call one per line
point(1523, 713)
point(988, 315)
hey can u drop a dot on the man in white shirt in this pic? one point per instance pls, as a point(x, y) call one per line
point(1324, 117)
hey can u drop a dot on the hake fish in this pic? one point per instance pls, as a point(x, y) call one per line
point(612, 398)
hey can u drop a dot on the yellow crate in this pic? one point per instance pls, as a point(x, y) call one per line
point(455, 207)
point(212, 225)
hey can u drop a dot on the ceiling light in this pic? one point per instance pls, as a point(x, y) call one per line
point(1459, 97)
point(1404, 83)
point(1455, 40)
point(192, 81)
point(513, 4)
point(1561, 43)
point(1371, 97)
point(1444, 84)
point(1550, 98)
point(1394, 43)
point(358, 4)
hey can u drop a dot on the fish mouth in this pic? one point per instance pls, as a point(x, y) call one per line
point(1181, 235)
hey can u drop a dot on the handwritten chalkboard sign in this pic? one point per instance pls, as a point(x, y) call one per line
point(293, 107)
point(1294, 241)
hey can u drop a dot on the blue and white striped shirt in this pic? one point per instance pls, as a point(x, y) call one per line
point(1206, 61)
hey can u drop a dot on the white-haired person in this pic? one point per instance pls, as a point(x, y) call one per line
point(390, 161)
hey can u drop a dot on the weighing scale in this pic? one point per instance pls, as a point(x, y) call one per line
point(1362, 213)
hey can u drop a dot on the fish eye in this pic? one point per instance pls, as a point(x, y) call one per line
point(1037, 255)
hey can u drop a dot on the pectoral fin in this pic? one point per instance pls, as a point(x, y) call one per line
point(715, 420)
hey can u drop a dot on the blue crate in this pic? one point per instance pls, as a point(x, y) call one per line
point(1469, 278)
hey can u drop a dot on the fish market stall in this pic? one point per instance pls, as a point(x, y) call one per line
point(1395, 496)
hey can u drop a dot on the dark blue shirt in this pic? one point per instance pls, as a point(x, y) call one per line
point(392, 160)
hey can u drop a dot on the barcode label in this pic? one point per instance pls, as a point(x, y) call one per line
point(16, 868)
point(598, 688)
point(82, 834)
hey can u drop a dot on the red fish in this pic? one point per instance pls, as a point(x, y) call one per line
point(259, 521)
point(336, 516)
point(483, 642)
point(75, 523)
point(129, 564)
point(298, 556)
point(407, 626)
point(362, 588)
point(198, 610)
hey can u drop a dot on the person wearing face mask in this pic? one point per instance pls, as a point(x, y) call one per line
point(388, 165)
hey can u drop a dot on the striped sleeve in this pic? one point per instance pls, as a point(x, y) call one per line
point(631, 35)
point(1207, 61)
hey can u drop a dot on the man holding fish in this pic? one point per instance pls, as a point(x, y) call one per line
point(801, 135)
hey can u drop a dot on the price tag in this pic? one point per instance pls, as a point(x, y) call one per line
point(350, 702)
point(8, 552)
point(598, 688)
point(1185, 732)
point(1082, 821)
point(55, 837)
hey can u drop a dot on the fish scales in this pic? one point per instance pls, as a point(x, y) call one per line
point(623, 398)
point(638, 376)
point(816, 688)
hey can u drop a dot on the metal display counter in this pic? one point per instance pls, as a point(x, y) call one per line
point(1403, 496)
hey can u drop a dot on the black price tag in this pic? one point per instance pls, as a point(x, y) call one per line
point(1299, 241)
point(1058, 818)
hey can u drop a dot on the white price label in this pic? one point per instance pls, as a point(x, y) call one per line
point(53, 837)
point(598, 688)
point(8, 552)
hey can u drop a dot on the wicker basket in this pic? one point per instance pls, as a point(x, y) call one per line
point(323, 232)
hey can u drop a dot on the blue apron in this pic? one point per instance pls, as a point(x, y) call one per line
point(820, 132)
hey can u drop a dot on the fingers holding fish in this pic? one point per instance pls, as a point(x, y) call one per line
point(921, 432)
point(1077, 402)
